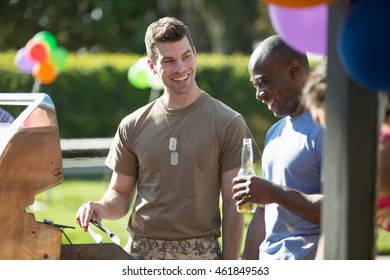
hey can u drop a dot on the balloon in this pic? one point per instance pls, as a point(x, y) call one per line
point(46, 37)
point(59, 57)
point(364, 44)
point(44, 72)
point(138, 75)
point(154, 80)
point(23, 62)
point(138, 78)
point(38, 51)
point(303, 29)
point(142, 69)
point(298, 3)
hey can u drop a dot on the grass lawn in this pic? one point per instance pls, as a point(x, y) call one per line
point(61, 202)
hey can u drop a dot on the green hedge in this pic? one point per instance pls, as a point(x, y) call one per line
point(93, 93)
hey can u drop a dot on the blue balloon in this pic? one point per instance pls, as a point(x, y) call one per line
point(364, 44)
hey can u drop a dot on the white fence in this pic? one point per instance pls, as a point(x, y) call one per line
point(85, 156)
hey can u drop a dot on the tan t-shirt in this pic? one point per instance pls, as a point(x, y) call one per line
point(178, 202)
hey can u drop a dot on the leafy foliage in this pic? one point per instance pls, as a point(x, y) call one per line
point(120, 25)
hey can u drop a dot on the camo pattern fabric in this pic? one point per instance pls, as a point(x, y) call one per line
point(144, 248)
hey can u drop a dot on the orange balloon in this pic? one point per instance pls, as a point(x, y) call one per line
point(44, 72)
point(297, 3)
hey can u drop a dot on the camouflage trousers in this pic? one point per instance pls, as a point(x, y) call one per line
point(144, 248)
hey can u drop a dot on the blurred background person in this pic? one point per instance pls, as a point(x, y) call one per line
point(5, 116)
point(383, 212)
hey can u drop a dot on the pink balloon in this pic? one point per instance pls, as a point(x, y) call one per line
point(303, 29)
point(23, 61)
point(37, 50)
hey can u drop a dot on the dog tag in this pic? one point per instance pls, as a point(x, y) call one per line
point(172, 144)
point(174, 158)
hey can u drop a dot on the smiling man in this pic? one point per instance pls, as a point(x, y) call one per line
point(178, 156)
point(289, 225)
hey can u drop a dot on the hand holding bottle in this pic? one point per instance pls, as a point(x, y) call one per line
point(246, 170)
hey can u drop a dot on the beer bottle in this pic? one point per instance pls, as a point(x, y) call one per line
point(246, 169)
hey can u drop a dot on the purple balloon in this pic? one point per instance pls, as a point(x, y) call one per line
point(303, 29)
point(23, 62)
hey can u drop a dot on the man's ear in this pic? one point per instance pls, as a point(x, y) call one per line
point(294, 68)
point(151, 66)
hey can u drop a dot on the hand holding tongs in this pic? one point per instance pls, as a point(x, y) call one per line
point(112, 236)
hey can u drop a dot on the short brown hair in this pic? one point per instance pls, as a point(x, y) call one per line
point(166, 29)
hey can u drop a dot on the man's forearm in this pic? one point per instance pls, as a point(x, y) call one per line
point(232, 232)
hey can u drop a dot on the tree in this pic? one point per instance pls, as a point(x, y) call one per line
point(119, 26)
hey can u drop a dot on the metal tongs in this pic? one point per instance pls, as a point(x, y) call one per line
point(97, 237)
point(112, 236)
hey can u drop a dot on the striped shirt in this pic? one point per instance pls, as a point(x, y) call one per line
point(5, 117)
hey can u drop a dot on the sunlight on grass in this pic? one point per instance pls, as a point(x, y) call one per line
point(383, 242)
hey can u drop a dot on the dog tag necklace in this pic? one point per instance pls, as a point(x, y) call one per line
point(172, 146)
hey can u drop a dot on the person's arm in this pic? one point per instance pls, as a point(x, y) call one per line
point(114, 204)
point(262, 191)
point(254, 236)
point(308, 206)
point(232, 221)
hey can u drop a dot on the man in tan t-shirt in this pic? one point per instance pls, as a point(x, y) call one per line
point(178, 155)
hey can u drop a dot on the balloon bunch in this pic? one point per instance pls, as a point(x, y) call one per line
point(363, 42)
point(302, 24)
point(42, 58)
point(141, 76)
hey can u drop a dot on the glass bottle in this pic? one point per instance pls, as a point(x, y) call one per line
point(247, 169)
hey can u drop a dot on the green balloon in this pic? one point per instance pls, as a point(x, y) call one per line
point(59, 57)
point(138, 77)
point(48, 38)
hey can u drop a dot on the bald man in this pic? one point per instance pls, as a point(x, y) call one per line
point(288, 227)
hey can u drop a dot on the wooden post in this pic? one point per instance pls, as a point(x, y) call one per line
point(350, 156)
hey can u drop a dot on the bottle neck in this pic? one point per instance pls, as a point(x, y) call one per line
point(247, 158)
